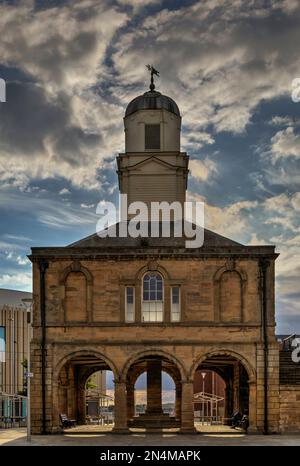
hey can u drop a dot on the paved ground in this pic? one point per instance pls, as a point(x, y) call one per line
point(214, 436)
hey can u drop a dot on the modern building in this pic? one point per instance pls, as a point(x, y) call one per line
point(13, 341)
point(14, 331)
point(152, 304)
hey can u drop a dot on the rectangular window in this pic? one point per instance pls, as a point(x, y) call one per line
point(152, 311)
point(175, 304)
point(129, 304)
point(2, 344)
point(152, 137)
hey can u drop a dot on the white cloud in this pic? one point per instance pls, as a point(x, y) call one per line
point(285, 143)
point(232, 221)
point(21, 281)
point(64, 191)
point(278, 120)
point(203, 169)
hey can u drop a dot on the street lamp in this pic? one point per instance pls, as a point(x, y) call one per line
point(28, 305)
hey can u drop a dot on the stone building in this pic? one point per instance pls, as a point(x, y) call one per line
point(132, 305)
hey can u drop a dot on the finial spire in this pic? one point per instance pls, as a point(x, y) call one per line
point(152, 71)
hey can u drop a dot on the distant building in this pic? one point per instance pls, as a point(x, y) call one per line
point(13, 341)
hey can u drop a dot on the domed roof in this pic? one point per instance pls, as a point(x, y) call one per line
point(152, 100)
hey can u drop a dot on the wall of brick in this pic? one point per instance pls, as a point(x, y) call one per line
point(289, 408)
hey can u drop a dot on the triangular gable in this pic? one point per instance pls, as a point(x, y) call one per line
point(152, 164)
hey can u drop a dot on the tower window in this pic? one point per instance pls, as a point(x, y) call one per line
point(152, 137)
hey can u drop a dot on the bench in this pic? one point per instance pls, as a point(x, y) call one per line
point(66, 422)
point(239, 420)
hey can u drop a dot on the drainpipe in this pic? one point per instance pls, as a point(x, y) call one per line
point(43, 265)
point(264, 264)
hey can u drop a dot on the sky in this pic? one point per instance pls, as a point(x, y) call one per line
point(71, 68)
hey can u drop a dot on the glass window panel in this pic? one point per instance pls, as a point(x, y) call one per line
point(2, 344)
point(159, 285)
point(175, 294)
point(175, 304)
point(129, 304)
point(152, 295)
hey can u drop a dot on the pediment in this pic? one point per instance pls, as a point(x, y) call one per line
point(152, 165)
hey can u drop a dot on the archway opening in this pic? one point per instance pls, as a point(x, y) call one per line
point(153, 393)
point(168, 394)
point(99, 398)
point(209, 397)
point(86, 392)
point(221, 390)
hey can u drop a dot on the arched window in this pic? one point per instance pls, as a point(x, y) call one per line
point(153, 287)
point(152, 297)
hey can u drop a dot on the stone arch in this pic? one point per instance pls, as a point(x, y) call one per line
point(230, 267)
point(224, 352)
point(84, 352)
point(152, 266)
point(155, 352)
point(77, 267)
point(168, 371)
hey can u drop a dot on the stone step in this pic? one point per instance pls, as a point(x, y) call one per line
point(152, 421)
point(289, 371)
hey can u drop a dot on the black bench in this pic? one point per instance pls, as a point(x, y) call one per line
point(240, 420)
point(66, 422)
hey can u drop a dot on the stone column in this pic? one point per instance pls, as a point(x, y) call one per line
point(154, 402)
point(252, 407)
point(81, 408)
point(187, 408)
point(130, 400)
point(178, 400)
point(120, 408)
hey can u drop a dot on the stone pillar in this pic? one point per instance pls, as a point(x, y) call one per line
point(178, 400)
point(81, 408)
point(120, 408)
point(154, 402)
point(130, 400)
point(187, 408)
point(252, 407)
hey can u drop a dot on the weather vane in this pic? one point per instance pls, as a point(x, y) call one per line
point(152, 71)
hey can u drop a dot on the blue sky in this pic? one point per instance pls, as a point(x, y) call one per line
point(71, 68)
